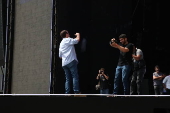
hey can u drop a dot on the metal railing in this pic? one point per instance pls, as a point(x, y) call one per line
point(9, 46)
point(53, 46)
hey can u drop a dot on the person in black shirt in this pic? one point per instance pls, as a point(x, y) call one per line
point(124, 65)
point(103, 81)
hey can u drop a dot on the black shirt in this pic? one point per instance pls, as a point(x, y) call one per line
point(104, 83)
point(125, 58)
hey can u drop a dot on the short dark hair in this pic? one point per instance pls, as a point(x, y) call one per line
point(63, 33)
point(157, 66)
point(123, 36)
point(102, 69)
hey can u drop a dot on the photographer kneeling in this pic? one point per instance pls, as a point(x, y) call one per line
point(103, 81)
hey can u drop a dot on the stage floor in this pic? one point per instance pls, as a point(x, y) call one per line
point(96, 103)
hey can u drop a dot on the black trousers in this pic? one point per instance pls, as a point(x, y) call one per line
point(167, 91)
point(158, 89)
point(136, 81)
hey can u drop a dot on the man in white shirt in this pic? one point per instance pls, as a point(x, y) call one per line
point(69, 60)
point(139, 69)
point(166, 84)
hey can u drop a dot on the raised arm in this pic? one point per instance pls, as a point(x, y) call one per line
point(121, 48)
point(77, 36)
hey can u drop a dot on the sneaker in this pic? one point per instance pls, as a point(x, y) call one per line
point(79, 95)
point(68, 95)
point(114, 95)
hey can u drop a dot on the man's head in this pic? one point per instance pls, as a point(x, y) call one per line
point(157, 69)
point(123, 39)
point(102, 70)
point(64, 34)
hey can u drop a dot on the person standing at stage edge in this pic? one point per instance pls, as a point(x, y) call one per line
point(103, 79)
point(124, 65)
point(69, 60)
point(166, 84)
point(139, 70)
point(158, 77)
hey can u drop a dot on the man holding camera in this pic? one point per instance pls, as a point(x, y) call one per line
point(69, 60)
point(124, 65)
point(103, 81)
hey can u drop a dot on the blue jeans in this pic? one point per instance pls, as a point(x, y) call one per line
point(71, 72)
point(104, 91)
point(122, 72)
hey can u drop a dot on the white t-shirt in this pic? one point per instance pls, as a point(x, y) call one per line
point(67, 50)
point(166, 81)
point(139, 52)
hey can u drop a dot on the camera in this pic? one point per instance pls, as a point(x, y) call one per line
point(113, 41)
point(101, 72)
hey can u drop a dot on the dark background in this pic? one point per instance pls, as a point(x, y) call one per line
point(99, 21)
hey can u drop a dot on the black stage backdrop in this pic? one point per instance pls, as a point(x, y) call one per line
point(98, 21)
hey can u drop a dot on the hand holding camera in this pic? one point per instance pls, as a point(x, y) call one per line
point(101, 72)
point(77, 34)
point(114, 42)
